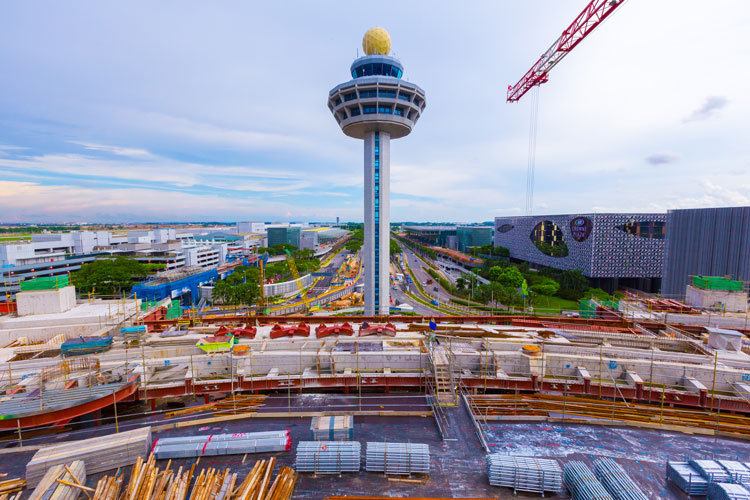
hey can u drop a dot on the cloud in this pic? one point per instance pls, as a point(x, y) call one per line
point(663, 158)
point(711, 105)
point(117, 150)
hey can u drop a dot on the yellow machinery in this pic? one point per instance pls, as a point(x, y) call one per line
point(295, 275)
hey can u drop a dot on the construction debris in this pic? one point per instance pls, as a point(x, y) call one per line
point(99, 454)
point(239, 403)
point(61, 482)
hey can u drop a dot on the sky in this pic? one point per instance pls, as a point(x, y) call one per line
point(216, 111)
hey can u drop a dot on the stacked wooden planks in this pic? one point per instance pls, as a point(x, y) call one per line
point(10, 487)
point(239, 403)
point(148, 482)
point(62, 482)
point(99, 454)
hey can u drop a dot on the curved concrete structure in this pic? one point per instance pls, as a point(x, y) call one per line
point(377, 106)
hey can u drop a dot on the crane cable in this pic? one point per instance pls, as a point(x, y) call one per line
point(531, 165)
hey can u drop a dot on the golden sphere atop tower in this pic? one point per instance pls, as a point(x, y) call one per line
point(376, 41)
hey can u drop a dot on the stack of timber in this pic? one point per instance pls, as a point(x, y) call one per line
point(726, 491)
point(108, 488)
point(239, 403)
point(222, 444)
point(329, 428)
point(62, 482)
point(687, 478)
point(99, 454)
point(258, 484)
point(328, 457)
point(10, 487)
point(524, 473)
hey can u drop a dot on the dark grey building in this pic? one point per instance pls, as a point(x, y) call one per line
point(614, 250)
point(708, 242)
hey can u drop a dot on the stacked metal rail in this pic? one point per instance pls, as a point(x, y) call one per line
point(726, 491)
point(328, 457)
point(711, 470)
point(616, 481)
point(687, 478)
point(222, 444)
point(524, 473)
point(736, 470)
point(582, 483)
point(397, 458)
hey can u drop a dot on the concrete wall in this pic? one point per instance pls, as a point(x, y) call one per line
point(46, 301)
point(730, 301)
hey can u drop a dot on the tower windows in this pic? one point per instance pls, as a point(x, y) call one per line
point(387, 93)
point(398, 111)
point(376, 186)
point(350, 96)
point(369, 110)
point(387, 110)
point(404, 96)
point(354, 111)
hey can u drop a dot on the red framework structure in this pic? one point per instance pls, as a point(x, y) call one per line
point(592, 16)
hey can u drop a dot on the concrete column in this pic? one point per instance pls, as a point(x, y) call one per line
point(377, 194)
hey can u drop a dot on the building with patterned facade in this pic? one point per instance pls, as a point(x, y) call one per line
point(613, 250)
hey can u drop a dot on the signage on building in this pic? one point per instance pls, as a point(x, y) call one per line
point(580, 228)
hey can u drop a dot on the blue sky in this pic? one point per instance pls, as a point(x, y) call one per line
point(179, 110)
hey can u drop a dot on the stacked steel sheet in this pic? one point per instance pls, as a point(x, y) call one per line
point(711, 470)
point(687, 478)
point(222, 444)
point(524, 473)
point(582, 483)
point(327, 428)
point(726, 491)
point(398, 458)
point(736, 470)
point(328, 457)
point(616, 481)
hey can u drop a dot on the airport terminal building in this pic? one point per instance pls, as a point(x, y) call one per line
point(613, 250)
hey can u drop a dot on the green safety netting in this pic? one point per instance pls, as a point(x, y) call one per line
point(716, 283)
point(45, 283)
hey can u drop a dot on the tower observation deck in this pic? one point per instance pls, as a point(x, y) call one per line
point(377, 106)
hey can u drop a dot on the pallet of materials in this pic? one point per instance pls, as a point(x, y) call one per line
point(687, 478)
point(739, 473)
point(330, 428)
point(328, 457)
point(582, 483)
point(616, 481)
point(536, 475)
point(710, 470)
point(397, 458)
point(99, 454)
point(222, 444)
point(64, 481)
point(727, 491)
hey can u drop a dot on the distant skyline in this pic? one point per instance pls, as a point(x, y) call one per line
point(170, 111)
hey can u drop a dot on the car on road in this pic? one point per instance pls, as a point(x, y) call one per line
point(434, 302)
point(435, 289)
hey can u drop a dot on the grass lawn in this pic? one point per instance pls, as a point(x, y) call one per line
point(542, 302)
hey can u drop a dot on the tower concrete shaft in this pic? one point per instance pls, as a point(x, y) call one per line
point(377, 232)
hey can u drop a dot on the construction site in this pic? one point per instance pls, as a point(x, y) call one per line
point(366, 378)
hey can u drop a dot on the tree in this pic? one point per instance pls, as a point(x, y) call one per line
point(510, 276)
point(460, 283)
point(394, 247)
point(109, 276)
point(240, 287)
point(546, 286)
point(573, 285)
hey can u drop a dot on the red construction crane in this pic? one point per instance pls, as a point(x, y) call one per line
point(592, 16)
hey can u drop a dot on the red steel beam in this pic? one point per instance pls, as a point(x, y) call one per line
point(592, 16)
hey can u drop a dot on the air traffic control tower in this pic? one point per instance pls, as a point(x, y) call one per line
point(377, 106)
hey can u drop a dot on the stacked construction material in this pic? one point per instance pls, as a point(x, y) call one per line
point(238, 403)
point(339, 428)
point(616, 481)
point(582, 483)
point(328, 457)
point(99, 453)
point(398, 458)
point(736, 470)
point(10, 487)
point(108, 488)
point(524, 473)
point(687, 478)
point(711, 470)
point(61, 482)
point(222, 444)
point(726, 491)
